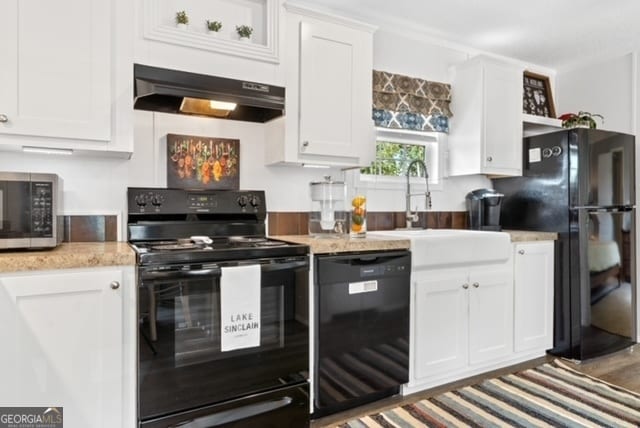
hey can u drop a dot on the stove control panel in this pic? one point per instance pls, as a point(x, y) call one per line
point(151, 201)
point(147, 200)
point(251, 199)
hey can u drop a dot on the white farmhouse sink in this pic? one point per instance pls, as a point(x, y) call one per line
point(441, 247)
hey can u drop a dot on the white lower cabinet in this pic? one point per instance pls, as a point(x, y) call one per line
point(490, 313)
point(462, 317)
point(68, 341)
point(469, 320)
point(533, 295)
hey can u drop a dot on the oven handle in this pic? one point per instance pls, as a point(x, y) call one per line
point(234, 415)
point(214, 272)
point(272, 267)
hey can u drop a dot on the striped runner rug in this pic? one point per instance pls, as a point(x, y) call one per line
point(551, 395)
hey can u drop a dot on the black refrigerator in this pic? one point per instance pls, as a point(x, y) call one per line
point(580, 183)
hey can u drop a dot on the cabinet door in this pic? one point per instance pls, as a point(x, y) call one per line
point(335, 89)
point(440, 330)
point(62, 344)
point(502, 139)
point(533, 296)
point(490, 314)
point(56, 68)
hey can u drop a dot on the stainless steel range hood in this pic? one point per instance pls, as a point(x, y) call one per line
point(181, 92)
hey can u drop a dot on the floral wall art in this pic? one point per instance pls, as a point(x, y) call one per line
point(195, 162)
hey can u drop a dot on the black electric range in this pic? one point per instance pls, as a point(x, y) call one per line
point(186, 243)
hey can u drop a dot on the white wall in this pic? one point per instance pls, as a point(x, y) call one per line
point(287, 188)
point(398, 54)
point(605, 87)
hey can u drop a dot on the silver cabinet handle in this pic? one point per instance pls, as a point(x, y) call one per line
point(489, 159)
point(476, 285)
point(114, 285)
point(4, 118)
point(520, 251)
point(465, 286)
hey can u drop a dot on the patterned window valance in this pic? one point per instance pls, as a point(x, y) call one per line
point(410, 103)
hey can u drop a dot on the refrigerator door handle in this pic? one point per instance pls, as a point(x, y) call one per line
point(605, 208)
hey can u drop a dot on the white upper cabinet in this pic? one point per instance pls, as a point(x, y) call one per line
point(261, 15)
point(57, 73)
point(161, 43)
point(329, 63)
point(486, 129)
point(56, 68)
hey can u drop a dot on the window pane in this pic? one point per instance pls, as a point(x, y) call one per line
point(392, 159)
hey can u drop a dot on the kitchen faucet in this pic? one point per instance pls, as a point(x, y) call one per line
point(413, 217)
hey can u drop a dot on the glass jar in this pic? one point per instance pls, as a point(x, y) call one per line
point(358, 221)
point(328, 216)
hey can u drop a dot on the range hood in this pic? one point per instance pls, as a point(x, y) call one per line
point(181, 92)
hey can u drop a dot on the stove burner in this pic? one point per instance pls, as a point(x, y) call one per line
point(177, 246)
point(247, 239)
point(271, 244)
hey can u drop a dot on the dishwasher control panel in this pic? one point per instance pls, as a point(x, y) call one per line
point(350, 268)
point(381, 270)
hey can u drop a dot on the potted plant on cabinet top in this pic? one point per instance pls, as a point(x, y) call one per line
point(214, 27)
point(583, 119)
point(244, 32)
point(182, 20)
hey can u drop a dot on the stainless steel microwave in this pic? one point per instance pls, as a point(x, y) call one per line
point(30, 205)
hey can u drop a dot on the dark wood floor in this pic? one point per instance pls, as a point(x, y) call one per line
point(621, 368)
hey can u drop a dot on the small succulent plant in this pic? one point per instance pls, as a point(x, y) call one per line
point(214, 25)
point(244, 30)
point(182, 17)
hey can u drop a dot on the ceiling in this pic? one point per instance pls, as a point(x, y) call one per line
point(549, 33)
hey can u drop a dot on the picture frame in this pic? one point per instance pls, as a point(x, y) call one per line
point(536, 95)
point(196, 162)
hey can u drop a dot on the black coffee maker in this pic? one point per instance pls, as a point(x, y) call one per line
point(483, 209)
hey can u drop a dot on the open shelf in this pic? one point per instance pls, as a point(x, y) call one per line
point(535, 125)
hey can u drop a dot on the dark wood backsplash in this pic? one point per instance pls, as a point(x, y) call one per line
point(101, 228)
point(295, 223)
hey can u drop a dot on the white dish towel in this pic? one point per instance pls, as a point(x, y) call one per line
point(240, 307)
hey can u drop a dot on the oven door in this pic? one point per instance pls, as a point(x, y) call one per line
point(181, 364)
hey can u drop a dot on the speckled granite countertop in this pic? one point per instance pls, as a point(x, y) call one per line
point(69, 255)
point(528, 235)
point(344, 245)
point(96, 254)
point(379, 243)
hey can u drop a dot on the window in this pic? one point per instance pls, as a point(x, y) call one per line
point(395, 149)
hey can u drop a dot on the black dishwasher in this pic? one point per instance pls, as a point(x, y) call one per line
point(361, 328)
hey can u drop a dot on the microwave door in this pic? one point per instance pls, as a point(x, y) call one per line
point(15, 212)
